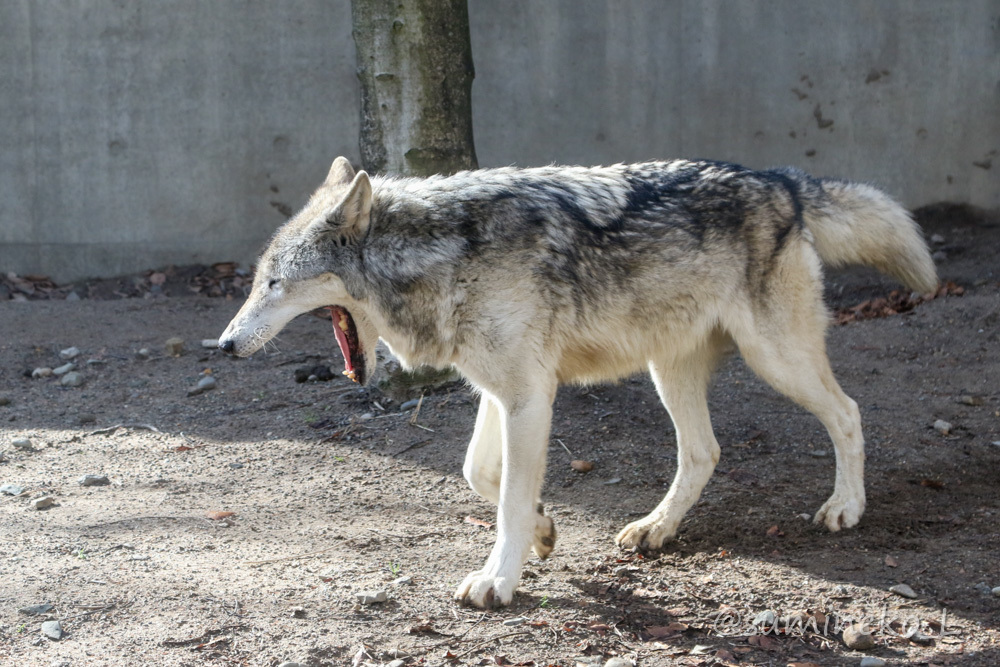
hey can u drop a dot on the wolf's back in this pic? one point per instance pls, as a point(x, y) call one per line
point(859, 224)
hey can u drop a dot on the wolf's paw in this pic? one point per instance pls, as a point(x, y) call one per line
point(481, 590)
point(840, 512)
point(645, 534)
point(545, 535)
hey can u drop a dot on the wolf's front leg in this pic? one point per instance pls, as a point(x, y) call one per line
point(525, 421)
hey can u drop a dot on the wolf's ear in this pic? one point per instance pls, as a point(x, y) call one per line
point(341, 172)
point(353, 214)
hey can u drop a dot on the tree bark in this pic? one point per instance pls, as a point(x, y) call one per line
point(415, 68)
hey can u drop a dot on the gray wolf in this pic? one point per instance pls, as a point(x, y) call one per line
point(523, 279)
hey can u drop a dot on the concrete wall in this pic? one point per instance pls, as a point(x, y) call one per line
point(136, 134)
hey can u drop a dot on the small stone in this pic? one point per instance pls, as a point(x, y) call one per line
point(36, 609)
point(939, 256)
point(73, 379)
point(619, 661)
point(24, 444)
point(515, 621)
point(368, 416)
point(72, 296)
point(921, 638)
point(62, 370)
point(398, 662)
point(372, 597)
point(144, 353)
point(52, 630)
point(996, 591)
point(210, 343)
point(942, 427)
point(819, 453)
point(94, 480)
point(970, 400)
point(86, 419)
point(621, 571)
point(298, 612)
point(857, 639)
point(873, 662)
point(409, 405)
point(207, 383)
point(43, 503)
point(580, 465)
point(613, 480)
point(764, 619)
point(11, 490)
point(291, 664)
point(69, 353)
point(937, 239)
point(174, 346)
point(43, 372)
point(236, 466)
point(401, 581)
point(903, 590)
point(4, 401)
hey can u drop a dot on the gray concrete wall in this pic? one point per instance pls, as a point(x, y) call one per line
point(136, 134)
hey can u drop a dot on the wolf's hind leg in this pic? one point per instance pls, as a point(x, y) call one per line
point(791, 356)
point(483, 466)
point(682, 385)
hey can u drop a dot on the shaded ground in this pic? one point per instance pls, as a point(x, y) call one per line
point(335, 491)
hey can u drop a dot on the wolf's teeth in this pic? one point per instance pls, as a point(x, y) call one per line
point(351, 374)
point(343, 322)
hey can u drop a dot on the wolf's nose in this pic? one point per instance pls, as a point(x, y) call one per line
point(227, 346)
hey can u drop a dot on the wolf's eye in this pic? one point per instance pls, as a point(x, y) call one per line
point(272, 283)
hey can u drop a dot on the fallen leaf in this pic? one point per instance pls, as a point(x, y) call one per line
point(663, 631)
point(421, 629)
point(774, 531)
point(217, 516)
point(478, 522)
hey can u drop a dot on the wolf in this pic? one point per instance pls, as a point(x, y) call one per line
point(523, 279)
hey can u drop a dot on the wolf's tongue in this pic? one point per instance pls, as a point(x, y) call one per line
point(337, 314)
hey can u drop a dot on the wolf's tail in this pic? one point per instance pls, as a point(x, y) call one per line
point(858, 224)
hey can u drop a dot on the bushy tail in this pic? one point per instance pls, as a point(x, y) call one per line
point(859, 224)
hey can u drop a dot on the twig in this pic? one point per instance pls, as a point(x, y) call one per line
point(425, 428)
point(111, 429)
point(418, 443)
point(561, 444)
point(416, 411)
point(455, 637)
point(138, 518)
point(311, 554)
point(490, 641)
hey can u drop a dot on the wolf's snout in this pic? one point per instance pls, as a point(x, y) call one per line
point(227, 345)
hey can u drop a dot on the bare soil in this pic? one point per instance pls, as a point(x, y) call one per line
point(334, 491)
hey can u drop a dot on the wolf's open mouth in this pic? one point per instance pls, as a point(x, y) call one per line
point(350, 345)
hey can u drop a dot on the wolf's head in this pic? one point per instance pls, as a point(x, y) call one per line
point(304, 268)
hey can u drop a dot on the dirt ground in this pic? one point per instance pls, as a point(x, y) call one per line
point(334, 491)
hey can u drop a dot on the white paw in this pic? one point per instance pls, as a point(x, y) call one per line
point(545, 536)
point(484, 591)
point(645, 534)
point(841, 512)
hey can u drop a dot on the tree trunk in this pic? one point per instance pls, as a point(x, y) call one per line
point(415, 68)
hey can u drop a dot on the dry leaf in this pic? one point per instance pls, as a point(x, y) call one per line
point(774, 531)
point(663, 631)
point(478, 522)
